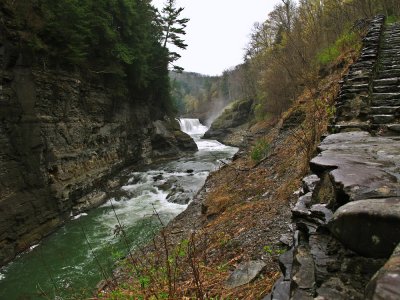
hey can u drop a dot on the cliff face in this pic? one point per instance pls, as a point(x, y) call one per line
point(61, 138)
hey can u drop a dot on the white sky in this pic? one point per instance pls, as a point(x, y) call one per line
point(218, 31)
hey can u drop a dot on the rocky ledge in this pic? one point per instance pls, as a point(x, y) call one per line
point(346, 222)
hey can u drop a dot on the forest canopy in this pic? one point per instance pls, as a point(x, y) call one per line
point(124, 41)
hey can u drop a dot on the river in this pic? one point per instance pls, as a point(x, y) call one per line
point(69, 263)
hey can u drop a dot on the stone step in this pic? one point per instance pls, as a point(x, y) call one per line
point(368, 56)
point(389, 42)
point(387, 129)
point(385, 102)
point(388, 74)
point(344, 96)
point(386, 96)
point(354, 88)
point(386, 81)
point(387, 59)
point(390, 45)
point(389, 51)
point(385, 110)
point(360, 73)
point(369, 51)
point(394, 128)
point(386, 88)
point(391, 37)
point(387, 63)
point(391, 66)
point(349, 126)
point(383, 119)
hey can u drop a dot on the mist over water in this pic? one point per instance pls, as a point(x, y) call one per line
point(218, 106)
point(64, 264)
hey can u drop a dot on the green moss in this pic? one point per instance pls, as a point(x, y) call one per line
point(348, 40)
point(392, 19)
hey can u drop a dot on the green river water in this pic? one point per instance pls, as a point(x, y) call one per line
point(69, 263)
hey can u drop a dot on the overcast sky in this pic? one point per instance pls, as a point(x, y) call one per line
point(218, 31)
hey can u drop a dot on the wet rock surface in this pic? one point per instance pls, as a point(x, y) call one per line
point(361, 165)
point(370, 227)
point(386, 282)
point(346, 219)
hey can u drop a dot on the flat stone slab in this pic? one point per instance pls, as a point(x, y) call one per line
point(369, 227)
point(360, 165)
point(245, 273)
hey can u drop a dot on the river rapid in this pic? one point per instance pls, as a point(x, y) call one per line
point(69, 263)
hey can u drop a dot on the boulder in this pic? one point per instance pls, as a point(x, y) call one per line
point(386, 282)
point(167, 141)
point(303, 269)
point(280, 291)
point(301, 207)
point(309, 183)
point(245, 273)
point(369, 227)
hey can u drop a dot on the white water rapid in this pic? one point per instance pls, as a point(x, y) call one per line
point(64, 264)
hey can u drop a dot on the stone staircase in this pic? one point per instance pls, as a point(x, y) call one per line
point(370, 94)
point(385, 96)
point(346, 222)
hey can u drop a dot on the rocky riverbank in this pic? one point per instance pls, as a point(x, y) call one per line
point(237, 219)
point(346, 222)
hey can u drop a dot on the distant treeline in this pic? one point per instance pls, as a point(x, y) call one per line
point(204, 96)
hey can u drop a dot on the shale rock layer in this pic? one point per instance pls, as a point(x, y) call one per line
point(61, 137)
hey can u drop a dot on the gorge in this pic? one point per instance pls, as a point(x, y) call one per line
point(106, 194)
point(71, 261)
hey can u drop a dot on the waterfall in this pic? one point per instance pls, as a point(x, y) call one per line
point(192, 126)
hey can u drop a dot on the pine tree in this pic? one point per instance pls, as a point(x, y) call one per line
point(173, 29)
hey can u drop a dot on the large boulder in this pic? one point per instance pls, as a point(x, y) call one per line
point(369, 227)
point(386, 282)
point(168, 141)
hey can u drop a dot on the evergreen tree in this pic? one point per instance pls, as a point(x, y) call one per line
point(173, 29)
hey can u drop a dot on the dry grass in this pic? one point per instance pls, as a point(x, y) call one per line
point(247, 206)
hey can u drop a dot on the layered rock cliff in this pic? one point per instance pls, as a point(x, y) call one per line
point(62, 136)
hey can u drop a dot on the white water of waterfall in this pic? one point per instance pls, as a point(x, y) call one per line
point(192, 127)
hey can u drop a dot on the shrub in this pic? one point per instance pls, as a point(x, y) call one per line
point(392, 19)
point(260, 150)
point(348, 40)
